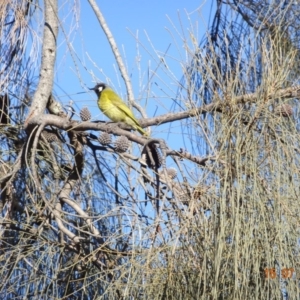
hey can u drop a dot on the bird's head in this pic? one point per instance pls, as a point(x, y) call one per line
point(99, 87)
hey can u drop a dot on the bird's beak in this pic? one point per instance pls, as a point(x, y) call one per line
point(92, 89)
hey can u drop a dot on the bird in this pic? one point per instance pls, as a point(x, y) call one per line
point(114, 107)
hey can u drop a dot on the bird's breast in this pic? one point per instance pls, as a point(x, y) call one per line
point(110, 110)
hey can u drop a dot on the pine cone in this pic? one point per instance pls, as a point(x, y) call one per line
point(85, 114)
point(122, 144)
point(105, 138)
point(172, 172)
point(153, 156)
point(284, 110)
point(49, 136)
point(181, 191)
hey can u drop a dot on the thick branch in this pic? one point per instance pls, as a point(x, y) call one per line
point(290, 92)
point(113, 128)
point(44, 88)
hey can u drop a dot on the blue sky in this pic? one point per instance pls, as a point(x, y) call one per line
point(152, 20)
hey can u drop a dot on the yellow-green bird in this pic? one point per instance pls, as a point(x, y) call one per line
point(115, 108)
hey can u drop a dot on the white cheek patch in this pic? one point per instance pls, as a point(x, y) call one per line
point(100, 88)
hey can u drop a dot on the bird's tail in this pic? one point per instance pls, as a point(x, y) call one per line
point(135, 124)
point(141, 131)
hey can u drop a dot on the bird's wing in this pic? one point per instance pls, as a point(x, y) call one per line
point(116, 101)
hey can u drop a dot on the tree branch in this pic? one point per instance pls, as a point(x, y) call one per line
point(117, 55)
point(45, 84)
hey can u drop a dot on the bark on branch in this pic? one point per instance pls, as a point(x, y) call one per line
point(45, 84)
